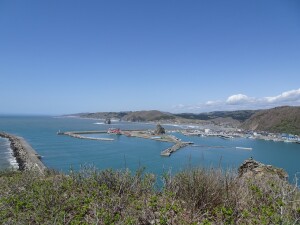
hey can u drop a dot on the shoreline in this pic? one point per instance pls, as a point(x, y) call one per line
point(26, 157)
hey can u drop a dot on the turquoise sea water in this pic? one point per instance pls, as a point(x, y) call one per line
point(62, 152)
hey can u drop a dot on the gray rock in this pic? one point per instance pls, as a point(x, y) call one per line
point(253, 169)
point(159, 130)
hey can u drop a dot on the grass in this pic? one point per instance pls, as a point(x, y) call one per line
point(194, 196)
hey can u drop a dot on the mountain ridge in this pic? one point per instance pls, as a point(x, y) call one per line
point(284, 119)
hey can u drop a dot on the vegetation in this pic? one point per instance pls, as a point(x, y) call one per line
point(151, 115)
point(284, 119)
point(239, 115)
point(154, 115)
point(195, 196)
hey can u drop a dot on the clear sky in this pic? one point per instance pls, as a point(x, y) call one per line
point(73, 56)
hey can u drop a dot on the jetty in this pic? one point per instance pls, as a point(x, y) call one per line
point(27, 158)
point(77, 134)
point(178, 145)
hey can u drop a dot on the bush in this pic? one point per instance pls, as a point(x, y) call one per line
point(195, 196)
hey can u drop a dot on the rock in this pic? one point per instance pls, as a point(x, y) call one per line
point(253, 169)
point(159, 130)
point(25, 155)
point(107, 121)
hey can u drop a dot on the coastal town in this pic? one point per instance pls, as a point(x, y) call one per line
point(260, 135)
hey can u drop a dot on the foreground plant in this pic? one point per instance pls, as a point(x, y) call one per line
point(195, 196)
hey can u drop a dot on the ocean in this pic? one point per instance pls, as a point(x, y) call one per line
point(65, 153)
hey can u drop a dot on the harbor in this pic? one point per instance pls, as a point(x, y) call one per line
point(145, 148)
point(145, 134)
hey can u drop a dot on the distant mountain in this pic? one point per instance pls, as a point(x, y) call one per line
point(285, 119)
point(103, 115)
point(138, 116)
point(152, 115)
point(232, 118)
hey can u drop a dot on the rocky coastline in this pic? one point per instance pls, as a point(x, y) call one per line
point(26, 156)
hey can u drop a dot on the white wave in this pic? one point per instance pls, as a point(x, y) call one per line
point(98, 123)
point(13, 161)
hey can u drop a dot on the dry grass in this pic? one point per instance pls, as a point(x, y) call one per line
point(195, 196)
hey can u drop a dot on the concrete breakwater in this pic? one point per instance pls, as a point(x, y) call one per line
point(77, 134)
point(174, 148)
point(145, 134)
point(26, 156)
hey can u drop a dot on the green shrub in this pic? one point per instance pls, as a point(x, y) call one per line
point(195, 196)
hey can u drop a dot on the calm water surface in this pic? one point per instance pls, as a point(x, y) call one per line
point(62, 152)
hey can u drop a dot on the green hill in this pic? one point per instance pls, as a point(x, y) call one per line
point(285, 119)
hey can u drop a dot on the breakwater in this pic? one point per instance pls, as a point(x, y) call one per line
point(26, 156)
point(145, 134)
point(178, 145)
point(77, 134)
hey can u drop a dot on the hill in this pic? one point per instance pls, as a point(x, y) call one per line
point(218, 117)
point(152, 115)
point(137, 116)
point(103, 115)
point(239, 115)
point(285, 119)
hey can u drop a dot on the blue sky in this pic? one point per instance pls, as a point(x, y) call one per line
point(72, 56)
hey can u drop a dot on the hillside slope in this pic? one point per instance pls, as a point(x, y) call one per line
point(152, 115)
point(285, 119)
point(141, 116)
point(238, 115)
